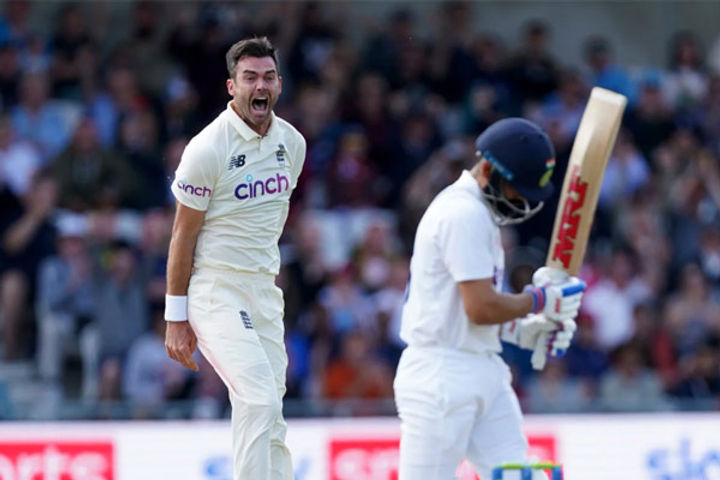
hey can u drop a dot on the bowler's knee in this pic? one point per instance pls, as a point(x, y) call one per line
point(265, 410)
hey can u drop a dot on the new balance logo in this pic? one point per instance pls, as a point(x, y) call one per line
point(236, 161)
point(246, 319)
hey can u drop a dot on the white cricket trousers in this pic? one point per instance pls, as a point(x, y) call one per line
point(238, 320)
point(453, 406)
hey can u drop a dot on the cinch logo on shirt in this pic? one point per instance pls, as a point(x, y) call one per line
point(257, 188)
point(192, 190)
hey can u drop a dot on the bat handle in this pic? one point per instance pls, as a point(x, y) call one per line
point(573, 289)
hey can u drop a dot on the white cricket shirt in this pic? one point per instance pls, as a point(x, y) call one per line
point(456, 240)
point(243, 182)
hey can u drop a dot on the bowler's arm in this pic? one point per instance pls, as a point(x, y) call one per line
point(180, 340)
point(484, 306)
point(186, 228)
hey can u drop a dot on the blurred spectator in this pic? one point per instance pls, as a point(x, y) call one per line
point(369, 107)
point(38, 119)
point(347, 306)
point(36, 58)
point(553, 391)
point(418, 139)
point(314, 43)
point(604, 72)
point(686, 81)
point(90, 176)
point(610, 302)
point(585, 359)
point(351, 179)
point(16, 24)
point(563, 110)
point(72, 51)
point(710, 255)
point(374, 255)
point(119, 98)
point(203, 60)
point(154, 243)
point(700, 378)
point(481, 108)
point(381, 51)
point(139, 146)
point(305, 271)
point(709, 115)
point(28, 236)
point(10, 73)
point(651, 121)
point(388, 303)
point(356, 373)
point(654, 342)
point(150, 376)
point(691, 314)
point(533, 72)
point(144, 50)
point(19, 160)
point(66, 300)
point(122, 318)
point(626, 172)
point(629, 385)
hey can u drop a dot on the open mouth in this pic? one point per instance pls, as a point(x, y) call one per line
point(260, 104)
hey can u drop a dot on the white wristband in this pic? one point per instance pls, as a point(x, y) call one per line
point(176, 308)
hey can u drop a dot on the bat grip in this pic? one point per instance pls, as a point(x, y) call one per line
point(573, 289)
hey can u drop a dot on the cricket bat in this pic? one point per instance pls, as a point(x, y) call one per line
point(579, 195)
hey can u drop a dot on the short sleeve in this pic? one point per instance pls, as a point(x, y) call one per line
point(299, 159)
point(196, 176)
point(466, 244)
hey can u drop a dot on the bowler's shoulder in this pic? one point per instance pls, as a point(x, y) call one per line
point(290, 132)
point(203, 145)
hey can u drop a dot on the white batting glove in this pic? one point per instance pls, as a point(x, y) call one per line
point(553, 343)
point(556, 294)
point(526, 332)
point(558, 297)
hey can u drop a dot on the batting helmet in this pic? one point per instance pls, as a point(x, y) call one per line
point(521, 155)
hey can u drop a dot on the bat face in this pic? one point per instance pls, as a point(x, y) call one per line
point(570, 216)
point(590, 153)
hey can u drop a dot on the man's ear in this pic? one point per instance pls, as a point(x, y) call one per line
point(230, 87)
point(486, 168)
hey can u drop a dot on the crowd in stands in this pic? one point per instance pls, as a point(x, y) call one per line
point(92, 128)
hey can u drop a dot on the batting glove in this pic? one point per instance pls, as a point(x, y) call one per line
point(553, 343)
point(526, 332)
point(556, 294)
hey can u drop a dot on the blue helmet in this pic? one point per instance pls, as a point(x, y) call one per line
point(522, 155)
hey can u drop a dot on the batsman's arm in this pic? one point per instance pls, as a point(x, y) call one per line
point(484, 306)
point(180, 340)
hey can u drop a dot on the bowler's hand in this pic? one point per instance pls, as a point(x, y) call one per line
point(180, 343)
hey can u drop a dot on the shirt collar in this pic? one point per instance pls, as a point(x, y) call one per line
point(244, 129)
point(468, 183)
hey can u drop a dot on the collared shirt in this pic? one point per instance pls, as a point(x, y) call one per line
point(243, 182)
point(456, 241)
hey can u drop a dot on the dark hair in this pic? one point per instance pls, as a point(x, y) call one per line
point(250, 47)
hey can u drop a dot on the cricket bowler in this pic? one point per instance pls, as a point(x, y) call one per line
point(233, 188)
point(452, 389)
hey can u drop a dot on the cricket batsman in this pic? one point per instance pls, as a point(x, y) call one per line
point(452, 389)
point(233, 188)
